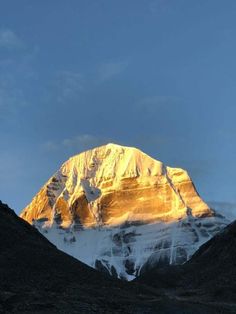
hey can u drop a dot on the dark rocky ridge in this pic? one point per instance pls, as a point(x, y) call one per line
point(210, 274)
point(37, 278)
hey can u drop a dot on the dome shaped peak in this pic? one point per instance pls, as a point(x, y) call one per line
point(114, 145)
point(113, 160)
point(112, 149)
point(118, 146)
point(111, 146)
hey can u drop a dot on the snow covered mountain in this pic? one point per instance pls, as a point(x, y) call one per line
point(119, 210)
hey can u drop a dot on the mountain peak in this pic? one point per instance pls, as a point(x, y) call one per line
point(113, 161)
point(108, 175)
point(110, 189)
point(111, 148)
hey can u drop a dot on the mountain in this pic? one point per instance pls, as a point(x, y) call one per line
point(210, 274)
point(121, 211)
point(35, 277)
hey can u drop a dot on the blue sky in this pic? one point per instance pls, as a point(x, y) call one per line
point(156, 74)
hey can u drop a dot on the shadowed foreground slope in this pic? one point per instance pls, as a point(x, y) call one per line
point(37, 278)
point(209, 275)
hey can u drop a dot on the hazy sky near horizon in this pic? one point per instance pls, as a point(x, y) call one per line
point(156, 74)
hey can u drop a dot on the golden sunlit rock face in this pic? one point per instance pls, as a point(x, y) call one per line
point(112, 185)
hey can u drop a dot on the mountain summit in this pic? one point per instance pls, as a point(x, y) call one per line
point(119, 210)
point(113, 184)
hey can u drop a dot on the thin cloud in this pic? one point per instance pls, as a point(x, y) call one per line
point(12, 97)
point(50, 146)
point(158, 6)
point(225, 208)
point(84, 140)
point(108, 70)
point(68, 85)
point(11, 167)
point(76, 144)
point(150, 104)
point(9, 40)
point(9, 100)
point(158, 100)
point(16, 74)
